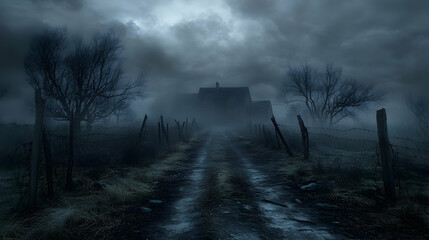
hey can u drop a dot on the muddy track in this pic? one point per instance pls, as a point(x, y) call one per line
point(220, 192)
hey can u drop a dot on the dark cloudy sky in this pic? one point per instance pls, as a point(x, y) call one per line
point(183, 44)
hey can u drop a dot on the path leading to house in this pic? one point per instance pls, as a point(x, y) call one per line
point(223, 192)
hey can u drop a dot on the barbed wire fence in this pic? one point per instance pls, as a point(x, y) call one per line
point(100, 145)
point(351, 147)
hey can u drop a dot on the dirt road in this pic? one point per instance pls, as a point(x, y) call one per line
point(223, 192)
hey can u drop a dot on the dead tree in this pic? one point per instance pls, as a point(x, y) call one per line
point(386, 155)
point(328, 96)
point(76, 79)
point(36, 149)
point(304, 137)
point(277, 129)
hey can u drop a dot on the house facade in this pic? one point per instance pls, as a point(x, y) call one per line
point(224, 105)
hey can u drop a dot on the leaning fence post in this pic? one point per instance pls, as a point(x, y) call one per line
point(276, 127)
point(386, 155)
point(142, 127)
point(304, 136)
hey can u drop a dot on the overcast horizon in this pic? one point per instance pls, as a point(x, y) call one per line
point(179, 46)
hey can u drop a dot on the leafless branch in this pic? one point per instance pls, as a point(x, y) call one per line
point(327, 95)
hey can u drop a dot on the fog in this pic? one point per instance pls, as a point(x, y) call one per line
point(179, 46)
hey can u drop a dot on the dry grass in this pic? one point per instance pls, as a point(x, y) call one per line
point(353, 171)
point(87, 213)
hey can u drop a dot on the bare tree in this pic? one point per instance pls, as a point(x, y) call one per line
point(328, 97)
point(76, 79)
point(103, 108)
point(119, 108)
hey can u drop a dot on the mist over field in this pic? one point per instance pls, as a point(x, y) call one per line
point(214, 119)
point(180, 46)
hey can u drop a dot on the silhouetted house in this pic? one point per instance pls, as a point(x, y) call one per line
point(224, 105)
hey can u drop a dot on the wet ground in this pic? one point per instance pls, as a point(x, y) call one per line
point(225, 191)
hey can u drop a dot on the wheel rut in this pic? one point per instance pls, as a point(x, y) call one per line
point(223, 195)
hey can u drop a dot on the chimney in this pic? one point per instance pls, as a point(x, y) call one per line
point(217, 84)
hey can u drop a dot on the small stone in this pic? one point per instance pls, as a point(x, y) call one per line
point(309, 187)
point(301, 219)
point(145, 210)
point(155, 201)
point(322, 186)
point(247, 207)
point(298, 201)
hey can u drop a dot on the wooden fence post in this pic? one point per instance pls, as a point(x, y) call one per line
point(386, 156)
point(276, 127)
point(142, 127)
point(304, 136)
point(36, 147)
point(48, 163)
point(164, 132)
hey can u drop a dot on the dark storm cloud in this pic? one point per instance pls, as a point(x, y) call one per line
point(69, 4)
point(179, 46)
point(382, 41)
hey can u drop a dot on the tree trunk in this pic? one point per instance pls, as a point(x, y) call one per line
point(36, 153)
point(304, 136)
point(386, 155)
point(69, 177)
point(48, 163)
